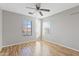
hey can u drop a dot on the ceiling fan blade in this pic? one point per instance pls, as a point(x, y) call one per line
point(31, 13)
point(30, 8)
point(45, 10)
point(41, 13)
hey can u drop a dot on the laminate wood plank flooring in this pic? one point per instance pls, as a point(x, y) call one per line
point(37, 48)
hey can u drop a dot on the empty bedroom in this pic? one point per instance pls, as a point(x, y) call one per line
point(39, 29)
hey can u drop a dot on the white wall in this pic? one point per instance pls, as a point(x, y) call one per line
point(38, 30)
point(64, 28)
point(0, 28)
point(12, 28)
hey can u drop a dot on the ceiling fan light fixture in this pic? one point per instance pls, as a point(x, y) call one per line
point(38, 9)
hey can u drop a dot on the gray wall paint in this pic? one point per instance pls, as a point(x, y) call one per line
point(0, 27)
point(12, 25)
point(64, 28)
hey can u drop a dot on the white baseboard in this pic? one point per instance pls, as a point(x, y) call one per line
point(63, 45)
point(18, 43)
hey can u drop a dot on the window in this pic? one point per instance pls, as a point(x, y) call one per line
point(27, 28)
point(46, 27)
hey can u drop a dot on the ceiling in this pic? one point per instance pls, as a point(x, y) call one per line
point(21, 8)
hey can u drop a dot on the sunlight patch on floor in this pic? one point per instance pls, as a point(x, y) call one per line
point(37, 48)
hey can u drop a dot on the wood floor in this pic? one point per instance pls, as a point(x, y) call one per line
point(37, 48)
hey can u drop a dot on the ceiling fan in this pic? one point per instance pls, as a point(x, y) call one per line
point(38, 9)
